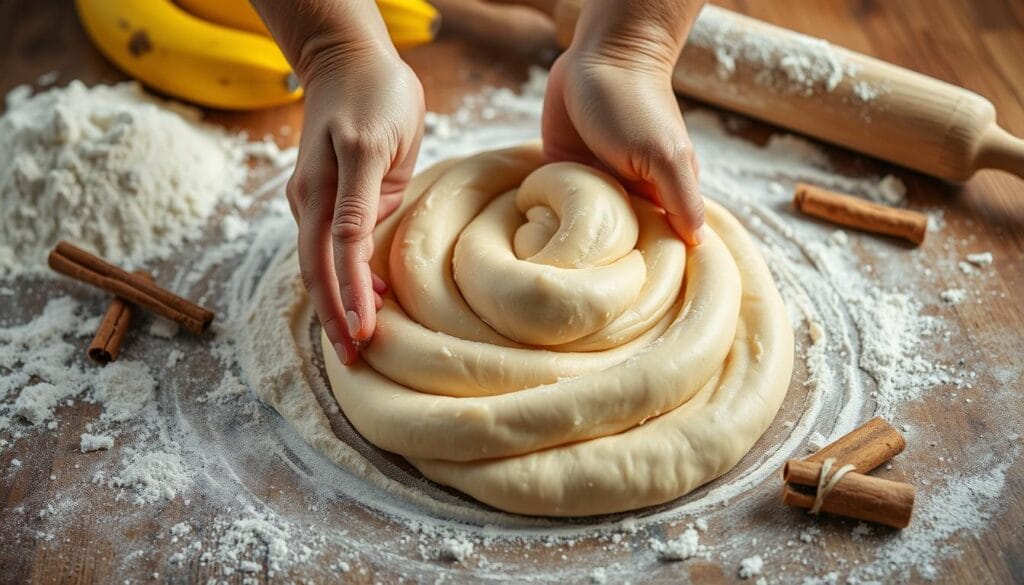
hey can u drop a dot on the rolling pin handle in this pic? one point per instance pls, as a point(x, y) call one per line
point(1001, 150)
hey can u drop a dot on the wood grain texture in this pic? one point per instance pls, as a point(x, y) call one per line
point(977, 44)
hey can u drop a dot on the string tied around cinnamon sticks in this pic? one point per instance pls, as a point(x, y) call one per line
point(827, 479)
point(834, 480)
point(136, 288)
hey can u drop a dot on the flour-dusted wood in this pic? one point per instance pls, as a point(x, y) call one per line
point(980, 50)
point(834, 94)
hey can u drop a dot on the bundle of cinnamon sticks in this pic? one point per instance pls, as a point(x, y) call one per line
point(131, 290)
point(835, 479)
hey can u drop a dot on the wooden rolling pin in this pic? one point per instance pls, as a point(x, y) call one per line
point(836, 95)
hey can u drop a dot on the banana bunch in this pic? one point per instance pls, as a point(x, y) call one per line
point(217, 54)
point(410, 22)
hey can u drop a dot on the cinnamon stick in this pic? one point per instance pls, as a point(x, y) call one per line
point(860, 214)
point(865, 447)
point(855, 495)
point(106, 344)
point(84, 267)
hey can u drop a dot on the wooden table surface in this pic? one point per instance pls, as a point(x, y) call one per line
point(977, 44)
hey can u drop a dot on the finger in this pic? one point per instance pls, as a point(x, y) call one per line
point(313, 213)
point(674, 178)
point(378, 301)
point(379, 286)
point(355, 215)
point(388, 204)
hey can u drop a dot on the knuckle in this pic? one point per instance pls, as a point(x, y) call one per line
point(358, 143)
point(675, 151)
point(300, 195)
point(295, 188)
point(352, 220)
point(650, 156)
point(664, 149)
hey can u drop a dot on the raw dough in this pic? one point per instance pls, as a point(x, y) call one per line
point(552, 348)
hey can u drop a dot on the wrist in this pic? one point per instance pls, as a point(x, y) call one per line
point(645, 34)
point(317, 36)
point(331, 52)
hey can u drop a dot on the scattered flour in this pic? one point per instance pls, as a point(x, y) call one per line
point(36, 361)
point(953, 296)
point(163, 328)
point(233, 227)
point(865, 91)
point(253, 535)
point(35, 403)
point(124, 388)
point(153, 477)
point(980, 258)
point(456, 549)
point(685, 546)
point(808, 534)
point(750, 567)
point(180, 530)
point(957, 507)
point(173, 357)
point(47, 79)
point(816, 442)
point(892, 190)
point(90, 442)
point(839, 238)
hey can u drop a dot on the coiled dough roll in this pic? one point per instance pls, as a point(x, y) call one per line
point(550, 347)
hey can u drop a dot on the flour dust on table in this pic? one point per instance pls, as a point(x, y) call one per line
point(111, 169)
point(176, 436)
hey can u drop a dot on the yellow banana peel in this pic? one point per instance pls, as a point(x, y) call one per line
point(174, 52)
point(410, 22)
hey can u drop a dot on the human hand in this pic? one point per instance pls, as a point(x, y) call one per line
point(361, 135)
point(610, 103)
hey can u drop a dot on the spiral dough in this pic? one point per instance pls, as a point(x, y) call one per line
point(550, 347)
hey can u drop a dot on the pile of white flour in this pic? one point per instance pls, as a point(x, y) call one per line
point(110, 169)
point(178, 427)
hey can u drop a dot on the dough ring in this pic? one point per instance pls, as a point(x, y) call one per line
point(550, 347)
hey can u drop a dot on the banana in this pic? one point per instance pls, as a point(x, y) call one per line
point(176, 53)
point(410, 22)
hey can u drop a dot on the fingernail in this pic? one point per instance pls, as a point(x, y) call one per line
point(340, 350)
point(698, 236)
point(353, 323)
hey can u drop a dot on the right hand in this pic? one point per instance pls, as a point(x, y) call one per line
point(361, 135)
point(616, 109)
